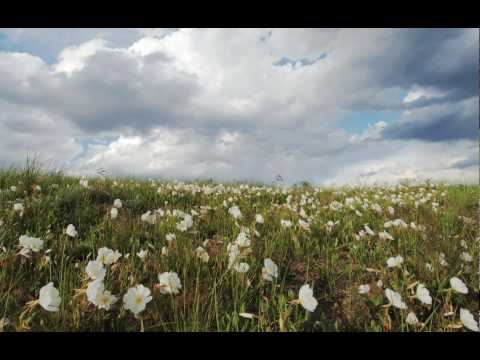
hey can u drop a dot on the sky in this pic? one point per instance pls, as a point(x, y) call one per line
point(329, 106)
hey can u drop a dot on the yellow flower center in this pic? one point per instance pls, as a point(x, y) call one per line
point(138, 299)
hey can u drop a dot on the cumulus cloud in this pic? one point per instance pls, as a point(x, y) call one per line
point(48, 43)
point(418, 161)
point(222, 103)
point(73, 58)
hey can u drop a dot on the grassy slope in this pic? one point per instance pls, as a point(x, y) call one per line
point(212, 296)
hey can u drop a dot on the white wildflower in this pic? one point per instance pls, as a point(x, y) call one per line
point(466, 257)
point(269, 270)
point(18, 207)
point(202, 254)
point(458, 285)
point(137, 298)
point(364, 289)
point(395, 261)
point(383, 235)
point(303, 224)
point(368, 230)
point(241, 267)
point(468, 320)
point(169, 283)
point(235, 212)
point(49, 297)
point(243, 240)
point(423, 294)
point(170, 237)
point(285, 223)
point(108, 256)
point(395, 299)
point(30, 243)
point(412, 318)
point(164, 251)
point(113, 213)
point(95, 270)
point(71, 231)
point(142, 254)
point(306, 299)
point(148, 217)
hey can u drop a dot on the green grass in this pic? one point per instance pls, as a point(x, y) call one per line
point(212, 296)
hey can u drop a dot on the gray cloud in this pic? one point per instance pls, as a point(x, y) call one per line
point(438, 123)
point(385, 62)
point(444, 58)
point(469, 161)
point(27, 131)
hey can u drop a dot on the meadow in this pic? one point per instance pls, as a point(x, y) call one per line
point(103, 254)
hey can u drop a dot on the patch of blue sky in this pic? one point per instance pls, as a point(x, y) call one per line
point(316, 180)
point(303, 61)
point(358, 121)
point(85, 143)
point(7, 45)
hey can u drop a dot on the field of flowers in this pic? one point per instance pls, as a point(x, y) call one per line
point(127, 255)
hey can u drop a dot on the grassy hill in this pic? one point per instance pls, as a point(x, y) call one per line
point(333, 240)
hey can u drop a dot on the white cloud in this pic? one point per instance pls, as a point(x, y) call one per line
point(417, 92)
point(413, 160)
point(373, 132)
point(73, 58)
point(211, 103)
